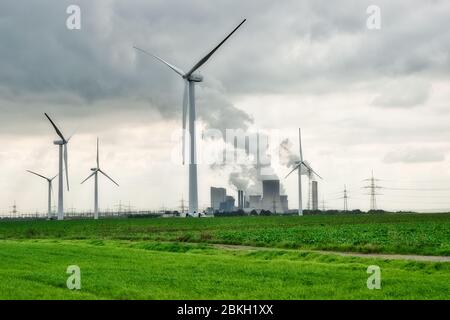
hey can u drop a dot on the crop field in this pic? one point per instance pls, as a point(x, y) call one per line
point(172, 258)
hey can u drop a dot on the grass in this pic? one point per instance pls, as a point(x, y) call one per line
point(148, 270)
point(175, 258)
point(387, 233)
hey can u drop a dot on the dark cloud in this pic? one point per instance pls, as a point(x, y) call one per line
point(297, 45)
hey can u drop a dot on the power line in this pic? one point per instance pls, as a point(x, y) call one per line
point(419, 196)
point(417, 189)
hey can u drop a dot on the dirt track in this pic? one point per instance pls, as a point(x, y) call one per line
point(348, 254)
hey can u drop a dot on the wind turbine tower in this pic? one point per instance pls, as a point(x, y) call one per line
point(62, 144)
point(301, 167)
point(50, 190)
point(190, 78)
point(94, 173)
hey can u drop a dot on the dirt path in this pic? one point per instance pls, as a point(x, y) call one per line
point(347, 254)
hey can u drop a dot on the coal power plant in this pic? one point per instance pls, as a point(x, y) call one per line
point(271, 200)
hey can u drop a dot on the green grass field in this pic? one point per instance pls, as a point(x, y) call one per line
point(176, 258)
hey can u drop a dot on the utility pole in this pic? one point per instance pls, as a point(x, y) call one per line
point(373, 191)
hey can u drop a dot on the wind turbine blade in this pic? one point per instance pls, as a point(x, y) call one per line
point(311, 169)
point(300, 143)
point(206, 58)
point(171, 66)
point(66, 167)
point(109, 177)
point(88, 177)
point(51, 179)
point(98, 165)
point(58, 132)
point(295, 168)
point(70, 137)
point(37, 174)
point(185, 106)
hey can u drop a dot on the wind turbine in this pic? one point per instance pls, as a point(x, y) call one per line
point(62, 144)
point(50, 189)
point(302, 167)
point(95, 174)
point(190, 78)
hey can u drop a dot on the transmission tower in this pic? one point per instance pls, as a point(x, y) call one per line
point(120, 207)
point(129, 207)
point(182, 207)
point(345, 199)
point(323, 205)
point(373, 191)
point(14, 209)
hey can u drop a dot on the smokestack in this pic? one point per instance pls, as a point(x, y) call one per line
point(315, 196)
point(240, 199)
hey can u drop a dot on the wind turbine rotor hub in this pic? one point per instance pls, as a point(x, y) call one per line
point(195, 77)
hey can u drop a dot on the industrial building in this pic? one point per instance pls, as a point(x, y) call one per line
point(254, 201)
point(271, 199)
point(227, 205)
point(218, 196)
point(221, 202)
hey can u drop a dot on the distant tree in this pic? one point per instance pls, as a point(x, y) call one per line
point(376, 211)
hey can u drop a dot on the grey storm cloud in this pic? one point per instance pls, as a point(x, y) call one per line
point(293, 45)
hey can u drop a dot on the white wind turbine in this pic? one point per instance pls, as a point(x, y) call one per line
point(50, 190)
point(190, 78)
point(62, 155)
point(95, 174)
point(302, 167)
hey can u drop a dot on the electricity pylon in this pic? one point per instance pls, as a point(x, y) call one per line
point(373, 191)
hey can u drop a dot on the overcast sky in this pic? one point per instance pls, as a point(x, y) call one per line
point(365, 99)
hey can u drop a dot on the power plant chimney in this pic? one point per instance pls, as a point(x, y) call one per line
point(315, 196)
point(240, 199)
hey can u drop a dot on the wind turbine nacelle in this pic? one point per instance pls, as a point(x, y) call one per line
point(195, 78)
point(58, 142)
